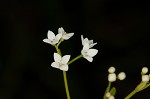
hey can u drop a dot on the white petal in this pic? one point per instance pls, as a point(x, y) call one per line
point(67, 36)
point(55, 65)
point(65, 59)
point(61, 30)
point(82, 39)
point(57, 57)
point(92, 52)
point(64, 67)
point(93, 44)
point(90, 59)
point(86, 41)
point(46, 41)
point(83, 52)
point(91, 41)
point(54, 42)
point(58, 36)
point(86, 46)
point(50, 35)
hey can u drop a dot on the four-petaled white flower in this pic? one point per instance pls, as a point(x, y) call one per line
point(51, 38)
point(61, 62)
point(88, 53)
point(86, 40)
point(65, 35)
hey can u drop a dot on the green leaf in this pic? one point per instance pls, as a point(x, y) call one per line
point(113, 91)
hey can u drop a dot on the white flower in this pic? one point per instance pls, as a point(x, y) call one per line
point(112, 77)
point(85, 40)
point(61, 62)
point(88, 53)
point(121, 76)
point(65, 35)
point(144, 70)
point(111, 69)
point(52, 39)
point(145, 78)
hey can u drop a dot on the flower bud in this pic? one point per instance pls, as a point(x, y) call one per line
point(144, 70)
point(108, 94)
point(121, 76)
point(145, 78)
point(111, 97)
point(112, 77)
point(111, 69)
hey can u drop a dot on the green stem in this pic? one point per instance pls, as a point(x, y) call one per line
point(64, 74)
point(59, 42)
point(131, 94)
point(75, 59)
point(66, 84)
point(58, 50)
point(107, 90)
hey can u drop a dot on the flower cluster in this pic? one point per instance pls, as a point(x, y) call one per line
point(61, 62)
point(112, 76)
point(145, 80)
point(54, 39)
point(145, 77)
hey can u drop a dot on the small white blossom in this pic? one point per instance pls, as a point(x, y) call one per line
point(111, 77)
point(65, 35)
point(144, 70)
point(121, 76)
point(111, 97)
point(145, 78)
point(61, 62)
point(88, 53)
point(111, 70)
point(51, 38)
point(85, 40)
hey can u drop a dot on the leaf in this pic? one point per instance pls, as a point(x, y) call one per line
point(113, 91)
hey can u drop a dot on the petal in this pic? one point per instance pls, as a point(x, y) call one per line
point(91, 41)
point(90, 59)
point(50, 35)
point(61, 30)
point(64, 67)
point(58, 36)
point(46, 41)
point(82, 39)
point(92, 52)
point(55, 65)
point(67, 36)
point(86, 46)
point(85, 41)
point(57, 57)
point(65, 59)
point(93, 44)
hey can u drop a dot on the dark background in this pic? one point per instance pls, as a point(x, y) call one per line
point(120, 27)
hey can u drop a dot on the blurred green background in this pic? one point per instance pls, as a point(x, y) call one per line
point(121, 29)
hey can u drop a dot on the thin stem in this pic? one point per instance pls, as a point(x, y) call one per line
point(64, 74)
point(66, 84)
point(58, 50)
point(107, 89)
point(59, 42)
point(131, 94)
point(75, 59)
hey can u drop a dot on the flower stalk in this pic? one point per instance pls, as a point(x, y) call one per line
point(76, 58)
point(131, 94)
point(64, 75)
